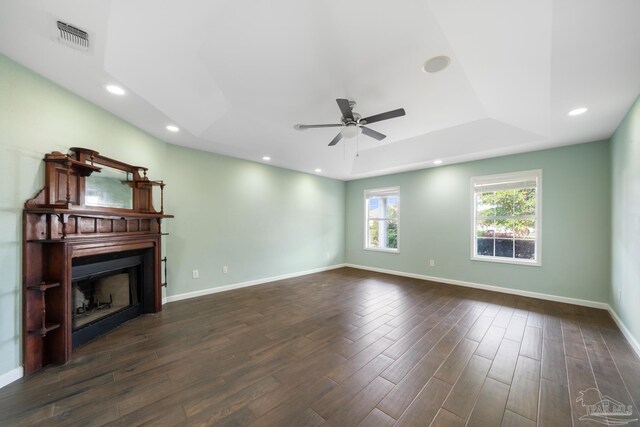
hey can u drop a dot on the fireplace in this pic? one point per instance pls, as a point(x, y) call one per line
point(91, 253)
point(108, 290)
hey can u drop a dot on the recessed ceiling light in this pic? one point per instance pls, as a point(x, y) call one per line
point(435, 64)
point(578, 111)
point(173, 128)
point(318, 170)
point(437, 162)
point(266, 158)
point(116, 90)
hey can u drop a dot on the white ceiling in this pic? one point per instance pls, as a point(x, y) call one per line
point(237, 75)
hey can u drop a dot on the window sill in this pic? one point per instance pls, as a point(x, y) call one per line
point(507, 261)
point(389, 251)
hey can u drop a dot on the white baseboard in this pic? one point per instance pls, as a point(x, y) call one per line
point(539, 295)
point(11, 376)
point(625, 331)
point(179, 297)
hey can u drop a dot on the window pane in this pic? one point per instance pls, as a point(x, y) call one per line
point(504, 248)
point(485, 205)
point(525, 249)
point(392, 235)
point(373, 240)
point(504, 228)
point(484, 247)
point(392, 207)
point(525, 229)
point(373, 207)
point(485, 228)
point(525, 201)
point(504, 202)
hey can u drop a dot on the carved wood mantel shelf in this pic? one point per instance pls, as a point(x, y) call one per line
point(76, 215)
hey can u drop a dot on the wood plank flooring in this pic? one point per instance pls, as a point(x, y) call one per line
point(341, 348)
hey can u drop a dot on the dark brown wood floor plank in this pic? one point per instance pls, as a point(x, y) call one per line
point(463, 395)
point(516, 327)
point(406, 390)
point(479, 328)
point(606, 373)
point(454, 364)
point(627, 361)
point(377, 418)
point(490, 405)
point(445, 418)
point(555, 407)
point(293, 407)
point(347, 368)
point(344, 392)
point(581, 379)
point(523, 396)
point(426, 404)
point(553, 361)
point(503, 317)
point(552, 329)
point(362, 404)
point(532, 343)
point(504, 363)
point(490, 342)
point(512, 419)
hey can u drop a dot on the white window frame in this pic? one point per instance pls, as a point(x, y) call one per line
point(513, 176)
point(380, 192)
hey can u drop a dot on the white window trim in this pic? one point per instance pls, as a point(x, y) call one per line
point(380, 191)
point(538, 217)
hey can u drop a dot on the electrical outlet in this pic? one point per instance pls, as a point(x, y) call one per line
point(225, 269)
point(432, 263)
point(196, 274)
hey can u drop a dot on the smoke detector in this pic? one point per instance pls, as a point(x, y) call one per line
point(72, 36)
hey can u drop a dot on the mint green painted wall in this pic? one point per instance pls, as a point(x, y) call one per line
point(435, 215)
point(625, 220)
point(259, 220)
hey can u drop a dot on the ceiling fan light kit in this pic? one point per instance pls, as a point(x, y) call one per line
point(353, 124)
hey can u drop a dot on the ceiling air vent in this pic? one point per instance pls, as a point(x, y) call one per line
point(72, 36)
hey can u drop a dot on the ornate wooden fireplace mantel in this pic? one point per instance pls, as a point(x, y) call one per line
point(90, 206)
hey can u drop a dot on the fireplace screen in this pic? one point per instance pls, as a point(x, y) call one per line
point(98, 297)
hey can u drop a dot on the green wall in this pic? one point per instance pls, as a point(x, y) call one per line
point(625, 220)
point(259, 220)
point(435, 216)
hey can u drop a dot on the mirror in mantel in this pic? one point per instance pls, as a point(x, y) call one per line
point(109, 188)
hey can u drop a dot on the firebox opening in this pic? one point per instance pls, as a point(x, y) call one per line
point(108, 290)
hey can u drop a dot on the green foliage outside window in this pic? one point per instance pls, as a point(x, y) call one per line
point(506, 213)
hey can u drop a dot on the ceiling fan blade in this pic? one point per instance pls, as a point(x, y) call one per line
point(336, 139)
point(372, 133)
point(345, 108)
point(330, 125)
point(384, 116)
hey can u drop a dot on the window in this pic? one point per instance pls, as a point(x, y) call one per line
point(506, 218)
point(382, 212)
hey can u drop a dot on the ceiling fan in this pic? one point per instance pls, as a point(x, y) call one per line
point(353, 124)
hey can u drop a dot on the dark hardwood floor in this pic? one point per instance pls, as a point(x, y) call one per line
point(341, 348)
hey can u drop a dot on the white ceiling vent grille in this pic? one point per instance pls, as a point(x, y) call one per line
point(73, 36)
